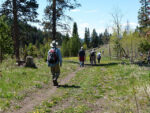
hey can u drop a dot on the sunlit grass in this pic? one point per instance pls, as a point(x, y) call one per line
point(17, 81)
point(117, 84)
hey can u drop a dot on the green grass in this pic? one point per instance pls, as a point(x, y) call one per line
point(16, 82)
point(115, 84)
point(121, 88)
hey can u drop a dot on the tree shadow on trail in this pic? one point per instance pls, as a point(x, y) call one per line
point(108, 64)
point(142, 64)
point(74, 62)
point(69, 86)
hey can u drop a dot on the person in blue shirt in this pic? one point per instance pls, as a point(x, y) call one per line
point(54, 61)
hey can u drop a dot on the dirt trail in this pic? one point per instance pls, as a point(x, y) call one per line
point(35, 99)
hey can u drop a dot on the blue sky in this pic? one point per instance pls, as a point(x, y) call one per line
point(97, 14)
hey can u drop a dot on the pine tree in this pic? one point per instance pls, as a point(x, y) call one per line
point(100, 39)
point(75, 43)
point(55, 12)
point(144, 14)
point(5, 39)
point(94, 39)
point(106, 37)
point(87, 37)
point(19, 10)
point(75, 29)
point(65, 46)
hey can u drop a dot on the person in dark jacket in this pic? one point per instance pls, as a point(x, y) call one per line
point(81, 57)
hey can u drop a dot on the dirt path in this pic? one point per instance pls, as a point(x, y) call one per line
point(35, 99)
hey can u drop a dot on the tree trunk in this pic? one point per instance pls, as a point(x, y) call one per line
point(15, 30)
point(54, 20)
point(1, 55)
point(109, 51)
point(131, 50)
point(30, 62)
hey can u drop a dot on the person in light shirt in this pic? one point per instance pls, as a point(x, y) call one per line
point(99, 57)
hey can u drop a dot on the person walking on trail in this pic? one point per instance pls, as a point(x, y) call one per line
point(54, 60)
point(93, 57)
point(99, 56)
point(81, 57)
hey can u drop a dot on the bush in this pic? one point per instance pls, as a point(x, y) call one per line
point(144, 46)
point(6, 44)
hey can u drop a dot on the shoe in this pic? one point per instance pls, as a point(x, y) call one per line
point(55, 83)
point(58, 86)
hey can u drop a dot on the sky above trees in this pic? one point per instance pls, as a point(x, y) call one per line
point(97, 14)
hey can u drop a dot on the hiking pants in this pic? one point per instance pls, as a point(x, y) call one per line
point(81, 63)
point(55, 72)
point(93, 60)
point(99, 59)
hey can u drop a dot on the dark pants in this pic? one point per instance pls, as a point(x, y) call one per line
point(81, 59)
point(81, 63)
point(99, 59)
point(93, 60)
point(55, 73)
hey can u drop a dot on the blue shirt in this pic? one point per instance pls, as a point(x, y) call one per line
point(59, 56)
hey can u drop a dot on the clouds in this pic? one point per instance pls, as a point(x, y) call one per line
point(100, 27)
point(75, 10)
point(91, 11)
point(81, 29)
point(132, 25)
point(82, 26)
point(84, 11)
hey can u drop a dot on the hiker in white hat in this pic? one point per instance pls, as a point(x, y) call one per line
point(54, 60)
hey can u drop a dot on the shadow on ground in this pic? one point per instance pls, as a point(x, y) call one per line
point(69, 86)
point(74, 62)
point(108, 64)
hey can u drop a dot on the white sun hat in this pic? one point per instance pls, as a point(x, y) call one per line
point(54, 43)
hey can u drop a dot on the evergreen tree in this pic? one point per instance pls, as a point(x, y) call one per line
point(106, 37)
point(65, 46)
point(19, 10)
point(75, 29)
point(74, 42)
point(55, 12)
point(87, 37)
point(5, 39)
point(94, 37)
point(144, 13)
point(100, 39)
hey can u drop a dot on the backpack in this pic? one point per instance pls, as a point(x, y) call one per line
point(98, 56)
point(93, 53)
point(52, 56)
point(148, 58)
point(81, 53)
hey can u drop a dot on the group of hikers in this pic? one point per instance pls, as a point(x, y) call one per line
point(93, 57)
point(54, 60)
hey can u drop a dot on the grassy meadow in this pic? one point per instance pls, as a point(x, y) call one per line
point(112, 87)
point(18, 82)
